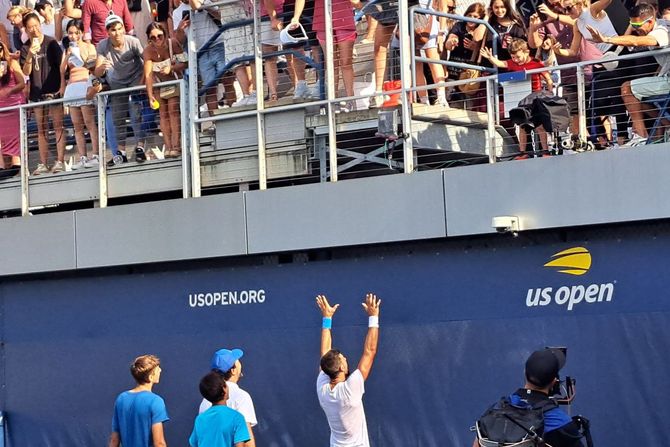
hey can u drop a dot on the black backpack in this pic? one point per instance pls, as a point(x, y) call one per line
point(508, 423)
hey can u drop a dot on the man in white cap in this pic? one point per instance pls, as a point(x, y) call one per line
point(227, 363)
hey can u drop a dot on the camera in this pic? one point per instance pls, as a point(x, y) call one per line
point(563, 392)
point(506, 224)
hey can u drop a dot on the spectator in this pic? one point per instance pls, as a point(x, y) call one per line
point(226, 363)
point(47, 13)
point(95, 14)
point(180, 21)
point(431, 50)
point(239, 43)
point(211, 62)
point(521, 61)
point(560, 25)
point(219, 426)
point(71, 9)
point(164, 59)
point(11, 94)
point(605, 92)
point(40, 60)
point(344, 37)
point(19, 35)
point(302, 12)
point(120, 64)
point(386, 15)
point(79, 57)
point(271, 41)
point(665, 14)
point(651, 34)
point(139, 414)
point(507, 23)
point(461, 43)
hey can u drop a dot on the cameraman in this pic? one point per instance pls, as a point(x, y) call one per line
point(542, 369)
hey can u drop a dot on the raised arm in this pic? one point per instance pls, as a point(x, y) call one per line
point(598, 7)
point(327, 312)
point(371, 306)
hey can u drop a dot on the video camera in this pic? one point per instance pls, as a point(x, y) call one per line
point(564, 391)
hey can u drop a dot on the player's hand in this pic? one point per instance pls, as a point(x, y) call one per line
point(326, 309)
point(371, 305)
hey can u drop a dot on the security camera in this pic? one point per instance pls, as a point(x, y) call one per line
point(506, 224)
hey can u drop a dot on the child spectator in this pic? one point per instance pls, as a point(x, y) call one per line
point(521, 61)
point(545, 53)
point(507, 23)
point(139, 413)
point(219, 426)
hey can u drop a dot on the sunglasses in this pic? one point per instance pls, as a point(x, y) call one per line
point(156, 37)
point(451, 9)
point(639, 24)
point(569, 8)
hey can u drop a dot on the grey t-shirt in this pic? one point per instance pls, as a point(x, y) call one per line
point(127, 63)
point(660, 33)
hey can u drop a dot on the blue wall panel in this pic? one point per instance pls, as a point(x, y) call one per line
point(455, 324)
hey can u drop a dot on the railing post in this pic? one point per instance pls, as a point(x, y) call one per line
point(103, 193)
point(193, 111)
point(491, 117)
point(260, 101)
point(23, 134)
point(405, 79)
point(581, 103)
point(331, 90)
point(185, 137)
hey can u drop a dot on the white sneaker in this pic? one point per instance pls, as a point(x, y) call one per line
point(636, 140)
point(92, 162)
point(81, 164)
point(301, 91)
point(249, 100)
point(57, 167)
point(41, 169)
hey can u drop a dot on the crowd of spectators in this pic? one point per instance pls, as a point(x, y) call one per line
point(76, 49)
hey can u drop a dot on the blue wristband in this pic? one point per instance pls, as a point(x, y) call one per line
point(326, 323)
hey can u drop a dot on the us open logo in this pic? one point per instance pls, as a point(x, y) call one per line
point(575, 261)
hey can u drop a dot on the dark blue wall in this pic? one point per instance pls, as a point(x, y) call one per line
point(455, 331)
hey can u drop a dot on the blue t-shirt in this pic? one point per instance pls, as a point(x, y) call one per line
point(134, 414)
point(219, 426)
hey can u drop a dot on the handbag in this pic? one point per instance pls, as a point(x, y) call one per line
point(169, 91)
point(423, 25)
point(471, 73)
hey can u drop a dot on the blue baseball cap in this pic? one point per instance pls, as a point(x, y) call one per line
point(224, 359)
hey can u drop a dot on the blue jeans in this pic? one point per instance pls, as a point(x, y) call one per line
point(122, 106)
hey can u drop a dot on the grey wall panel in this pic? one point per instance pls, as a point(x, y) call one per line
point(381, 209)
point(161, 231)
point(584, 189)
point(40, 243)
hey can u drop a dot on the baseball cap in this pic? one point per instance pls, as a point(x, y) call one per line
point(224, 359)
point(112, 19)
point(543, 366)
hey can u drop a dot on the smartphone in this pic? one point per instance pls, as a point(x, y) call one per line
point(184, 15)
point(36, 41)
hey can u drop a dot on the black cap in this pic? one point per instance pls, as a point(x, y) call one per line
point(542, 367)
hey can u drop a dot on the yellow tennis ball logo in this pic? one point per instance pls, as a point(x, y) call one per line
point(573, 261)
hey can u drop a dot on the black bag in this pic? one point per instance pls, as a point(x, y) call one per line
point(542, 108)
point(508, 423)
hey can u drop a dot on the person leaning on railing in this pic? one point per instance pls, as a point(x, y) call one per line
point(605, 95)
point(40, 61)
point(11, 94)
point(165, 60)
point(553, 20)
point(652, 34)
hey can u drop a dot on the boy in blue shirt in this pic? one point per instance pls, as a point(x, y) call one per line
point(139, 414)
point(219, 426)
